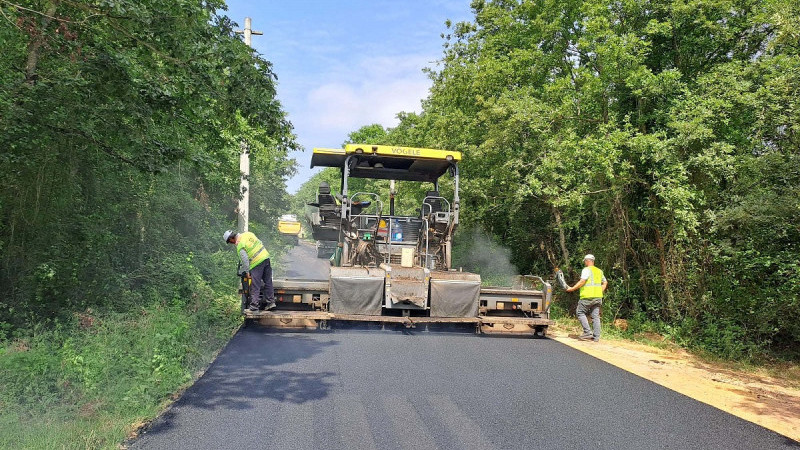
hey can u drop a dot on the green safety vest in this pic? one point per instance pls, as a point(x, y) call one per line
point(594, 285)
point(254, 248)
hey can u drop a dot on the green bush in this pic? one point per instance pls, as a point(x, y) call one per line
point(85, 381)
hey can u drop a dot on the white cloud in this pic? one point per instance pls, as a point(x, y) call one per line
point(343, 108)
point(372, 91)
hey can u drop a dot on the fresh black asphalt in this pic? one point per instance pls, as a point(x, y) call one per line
point(399, 389)
point(351, 388)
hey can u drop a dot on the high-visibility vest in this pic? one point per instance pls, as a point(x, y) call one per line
point(594, 285)
point(254, 248)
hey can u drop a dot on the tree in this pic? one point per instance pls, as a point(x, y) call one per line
point(634, 131)
point(120, 125)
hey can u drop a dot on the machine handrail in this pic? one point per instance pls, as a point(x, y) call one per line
point(532, 277)
point(545, 288)
point(427, 251)
point(351, 219)
point(425, 202)
point(378, 203)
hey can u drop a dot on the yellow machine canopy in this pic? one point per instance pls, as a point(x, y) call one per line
point(388, 162)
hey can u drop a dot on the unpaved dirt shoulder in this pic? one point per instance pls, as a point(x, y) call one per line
point(759, 399)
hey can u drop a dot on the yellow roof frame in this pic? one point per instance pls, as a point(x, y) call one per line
point(388, 162)
point(403, 152)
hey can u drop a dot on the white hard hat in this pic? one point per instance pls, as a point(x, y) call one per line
point(227, 235)
point(589, 256)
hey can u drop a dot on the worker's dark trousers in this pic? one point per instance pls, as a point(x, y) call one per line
point(262, 279)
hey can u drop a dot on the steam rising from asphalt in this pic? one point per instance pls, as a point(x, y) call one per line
point(475, 251)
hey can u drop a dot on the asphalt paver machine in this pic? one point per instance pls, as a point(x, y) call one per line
point(390, 267)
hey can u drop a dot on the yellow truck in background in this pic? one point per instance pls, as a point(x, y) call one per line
point(289, 226)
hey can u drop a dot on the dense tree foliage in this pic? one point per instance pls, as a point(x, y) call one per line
point(120, 129)
point(660, 135)
point(120, 126)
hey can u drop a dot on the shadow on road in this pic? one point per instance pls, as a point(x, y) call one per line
point(254, 366)
point(239, 391)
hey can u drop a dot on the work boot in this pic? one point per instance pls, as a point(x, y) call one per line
point(262, 305)
point(586, 337)
point(269, 305)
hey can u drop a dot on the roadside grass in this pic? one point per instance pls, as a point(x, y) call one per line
point(91, 381)
point(570, 325)
point(91, 378)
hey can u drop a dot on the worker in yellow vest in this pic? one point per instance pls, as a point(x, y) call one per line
point(255, 264)
point(592, 285)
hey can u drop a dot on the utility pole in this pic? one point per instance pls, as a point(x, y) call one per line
point(244, 155)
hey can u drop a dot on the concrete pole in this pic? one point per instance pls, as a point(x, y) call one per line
point(244, 187)
point(244, 154)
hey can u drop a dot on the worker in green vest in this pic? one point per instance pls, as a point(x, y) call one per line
point(255, 264)
point(592, 285)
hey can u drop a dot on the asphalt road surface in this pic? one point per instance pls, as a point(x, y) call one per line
point(353, 388)
point(302, 262)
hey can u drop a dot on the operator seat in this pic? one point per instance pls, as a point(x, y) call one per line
point(324, 196)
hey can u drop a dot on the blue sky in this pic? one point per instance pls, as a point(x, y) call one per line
point(344, 64)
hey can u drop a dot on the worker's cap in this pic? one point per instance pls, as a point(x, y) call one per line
point(589, 256)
